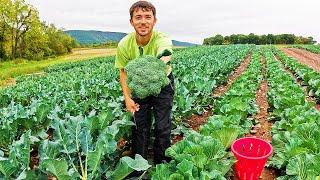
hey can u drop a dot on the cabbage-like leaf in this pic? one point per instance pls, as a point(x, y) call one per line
point(128, 165)
point(185, 168)
point(58, 168)
point(226, 135)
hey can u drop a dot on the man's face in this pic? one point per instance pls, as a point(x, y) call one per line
point(143, 21)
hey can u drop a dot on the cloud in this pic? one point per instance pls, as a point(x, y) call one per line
point(189, 20)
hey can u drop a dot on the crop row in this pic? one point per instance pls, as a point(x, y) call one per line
point(311, 48)
point(309, 76)
point(296, 129)
point(205, 155)
point(82, 104)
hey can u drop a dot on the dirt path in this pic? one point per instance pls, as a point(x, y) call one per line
point(241, 68)
point(197, 120)
point(304, 57)
point(263, 128)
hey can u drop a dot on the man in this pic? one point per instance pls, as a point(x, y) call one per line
point(146, 41)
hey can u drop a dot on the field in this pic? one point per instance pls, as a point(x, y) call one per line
point(69, 122)
point(12, 69)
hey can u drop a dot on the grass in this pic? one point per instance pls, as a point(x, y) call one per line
point(12, 69)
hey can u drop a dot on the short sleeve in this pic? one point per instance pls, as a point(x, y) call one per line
point(121, 60)
point(163, 42)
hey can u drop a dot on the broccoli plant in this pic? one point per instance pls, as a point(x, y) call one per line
point(146, 75)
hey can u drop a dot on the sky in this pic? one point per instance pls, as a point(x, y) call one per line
point(186, 20)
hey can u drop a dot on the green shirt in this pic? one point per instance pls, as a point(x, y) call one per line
point(128, 49)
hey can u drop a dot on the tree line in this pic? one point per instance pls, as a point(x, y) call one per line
point(24, 35)
point(258, 39)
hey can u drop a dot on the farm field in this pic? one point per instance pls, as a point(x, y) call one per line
point(69, 122)
point(12, 69)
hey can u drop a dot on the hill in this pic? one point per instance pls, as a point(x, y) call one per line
point(95, 37)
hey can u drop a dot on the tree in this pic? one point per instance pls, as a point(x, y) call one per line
point(256, 39)
point(24, 35)
point(243, 39)
point(216, 40)
point(226, 40)
point(35, 44)
point(18, 17)
point(59, 42)
point(270, 39)
point(234, 39)
point(263, 39)
point(253, 39)
point(2, 41)
point(298, 40)
point(3, 29)
point(311, 40)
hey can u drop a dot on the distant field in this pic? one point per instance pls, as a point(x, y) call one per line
point(12, 69)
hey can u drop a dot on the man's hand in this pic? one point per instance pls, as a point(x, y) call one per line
point(165, 59)
point(165, 55)
point(131, 105)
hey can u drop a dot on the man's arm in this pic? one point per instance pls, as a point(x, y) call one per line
point(130, 104)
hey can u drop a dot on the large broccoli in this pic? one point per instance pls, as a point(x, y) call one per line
point(146, 75)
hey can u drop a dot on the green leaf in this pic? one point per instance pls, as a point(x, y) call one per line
point(185, 168)
point(128, 165)
point(94, 159)
point(162, 171)
point(213, 149)
point(301, 167)
point(226, 135)
point(200, 160)
point(49, 149)
point(176, 176)
point(59, 168)
point(27, 175)
point(7, 168)
point(20, 152)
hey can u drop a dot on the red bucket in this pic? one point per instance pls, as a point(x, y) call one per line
point(251, 154)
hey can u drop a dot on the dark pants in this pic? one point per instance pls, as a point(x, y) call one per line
point(161, 106)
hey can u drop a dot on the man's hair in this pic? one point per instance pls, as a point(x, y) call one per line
point(144, 5)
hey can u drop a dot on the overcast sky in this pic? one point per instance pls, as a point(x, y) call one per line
point(190, 21)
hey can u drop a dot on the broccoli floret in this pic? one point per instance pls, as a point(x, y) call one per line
point(146, 76)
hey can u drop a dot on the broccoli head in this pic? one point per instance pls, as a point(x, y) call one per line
point(146, 75)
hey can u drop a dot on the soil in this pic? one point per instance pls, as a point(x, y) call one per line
point(300, 82)
point(177, 138)
point(34, 154)
point(263, 128)
point(50, 133)
point(121, 143)
point(50, 177)
point(197, 120)
point(34, 159)
point(304, 57)
point(242, 67)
